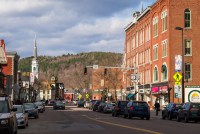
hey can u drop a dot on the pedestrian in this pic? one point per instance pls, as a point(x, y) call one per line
point(157, 107)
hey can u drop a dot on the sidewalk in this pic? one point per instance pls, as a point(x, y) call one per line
point(153, 114)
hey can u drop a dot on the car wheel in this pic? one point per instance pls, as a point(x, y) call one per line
point(129, 116)
point(163, 117)
point(142, 118)
point(125, 115)
point(178, 118)
point(186, 119)
point(115, 114)
point(170, 116)
point(147, 118)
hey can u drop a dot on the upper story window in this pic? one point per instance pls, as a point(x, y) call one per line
point(155, 50)
point(188, 71)
point(164, 48)
point(188, 47)
point(155, 26)
point(187, 18)
point(164, 72)
point(155, 74)
point(164, 20)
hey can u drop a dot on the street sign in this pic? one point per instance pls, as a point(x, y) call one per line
point(177, 76)
point(178, 62)
point(87, 96)
point(177, 83)
point(95, 66)
point(177, 91)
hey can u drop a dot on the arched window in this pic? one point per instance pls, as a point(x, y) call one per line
point(155, 74)
point(187, 18)
point(164, 72)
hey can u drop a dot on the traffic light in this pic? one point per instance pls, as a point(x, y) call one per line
point(105, 71)
point(85, 71)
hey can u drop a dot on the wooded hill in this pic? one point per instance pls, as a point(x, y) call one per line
point(69, 68)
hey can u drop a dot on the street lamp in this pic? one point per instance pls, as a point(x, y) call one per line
point(183, 90)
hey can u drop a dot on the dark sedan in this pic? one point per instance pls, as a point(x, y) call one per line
point(59, 105)
point(171, 110)
point(31, 109)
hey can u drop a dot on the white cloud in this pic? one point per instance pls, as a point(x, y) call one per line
point(64, 26)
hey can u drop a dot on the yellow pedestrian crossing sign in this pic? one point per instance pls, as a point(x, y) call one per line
point(177, 83)
point(177, 76)
point(87, 96)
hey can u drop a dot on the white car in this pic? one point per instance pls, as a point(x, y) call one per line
point(22, 116)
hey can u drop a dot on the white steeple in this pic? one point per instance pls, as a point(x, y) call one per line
point(35, 65)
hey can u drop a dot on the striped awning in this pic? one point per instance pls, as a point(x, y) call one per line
point(3, 59)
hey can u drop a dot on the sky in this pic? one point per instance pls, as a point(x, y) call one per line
point(66, 26)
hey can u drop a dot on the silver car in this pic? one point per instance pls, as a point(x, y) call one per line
point(22, 116)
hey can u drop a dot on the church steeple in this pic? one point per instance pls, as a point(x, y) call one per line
point(35, 48)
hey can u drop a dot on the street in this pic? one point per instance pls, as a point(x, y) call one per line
point(80, 120)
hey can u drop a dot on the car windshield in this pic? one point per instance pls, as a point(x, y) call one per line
point(38, 103)
point(196, 105)
point(29, 105)
point(140, 104)
point(59, 102)
point(4, 107)
point(19, 109)
point(123, 103)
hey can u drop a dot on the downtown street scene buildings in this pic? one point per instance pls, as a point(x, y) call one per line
point(155, 41)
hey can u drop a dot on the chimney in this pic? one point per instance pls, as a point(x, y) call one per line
point(2, 43)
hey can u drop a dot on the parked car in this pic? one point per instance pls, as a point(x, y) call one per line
point(51, 102)
point(59, 105)
point(101, 106)
point(87, 104)
point(92, 104)
point(96, 104)
point(171, 110)
point(108, 108)
point(22, 116)
point(41, 107)
point(80, 103)
point(8, 120)
point(137, 109)
point(31, 109)
point(189, 111)
point(119, 108)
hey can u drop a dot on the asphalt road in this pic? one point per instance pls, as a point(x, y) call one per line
point(83, 121)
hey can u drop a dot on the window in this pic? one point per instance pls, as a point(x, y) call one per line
point(155, 26)
point(155, 50)
point(188, 71)
point(188, 47)
point(164, 20)
point(155, 74)
point(187, 17)
point(164, 72)
point(164, 48)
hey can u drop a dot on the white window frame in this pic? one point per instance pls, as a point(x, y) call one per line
point(155, 52)
point(164, 48)
point(188, 40)
point(155, 26)
point(164, 21)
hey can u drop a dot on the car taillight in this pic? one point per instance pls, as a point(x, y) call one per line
point(131, 107)
point(190, 107)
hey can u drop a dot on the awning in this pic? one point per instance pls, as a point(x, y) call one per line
point(130, 95)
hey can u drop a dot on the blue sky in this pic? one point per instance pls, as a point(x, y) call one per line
point(66, 26)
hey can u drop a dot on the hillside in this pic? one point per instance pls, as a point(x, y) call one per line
point(69, 68)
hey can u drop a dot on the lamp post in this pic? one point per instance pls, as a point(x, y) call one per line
point(183, 90)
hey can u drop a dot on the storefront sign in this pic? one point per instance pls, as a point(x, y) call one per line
point(192, 94)
point(154, 90)
point(163, 89)
point(177, 91)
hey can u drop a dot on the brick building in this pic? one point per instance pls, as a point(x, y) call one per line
point(152, 42)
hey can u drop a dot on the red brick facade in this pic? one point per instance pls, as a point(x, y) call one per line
point(138, 46)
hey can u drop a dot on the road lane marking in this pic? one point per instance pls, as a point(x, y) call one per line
point(119, 125)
